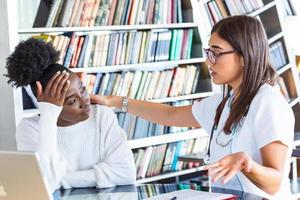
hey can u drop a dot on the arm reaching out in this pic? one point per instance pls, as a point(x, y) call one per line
point(155, 112)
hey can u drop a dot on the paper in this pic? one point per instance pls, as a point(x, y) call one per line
point(192, 195)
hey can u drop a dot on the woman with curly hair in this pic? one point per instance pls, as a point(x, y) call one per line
point(80, 145)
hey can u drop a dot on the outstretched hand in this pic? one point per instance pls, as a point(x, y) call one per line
point(228, 166)
point(55, 90)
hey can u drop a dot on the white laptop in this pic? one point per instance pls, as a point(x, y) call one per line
point(21, 177)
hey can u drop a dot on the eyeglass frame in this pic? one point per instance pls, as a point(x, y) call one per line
point(216, 55)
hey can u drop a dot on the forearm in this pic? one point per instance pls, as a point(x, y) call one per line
point(113, 174)
point(53, 164)
point(47, 143)
point(266, 178)
point(156, 112)
point(83, 178)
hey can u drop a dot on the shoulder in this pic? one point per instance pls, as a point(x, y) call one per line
point(28, 122)
point(268, 96)
point(204, 111)
point(269, 100)
point(28, 126)
point(209, 102)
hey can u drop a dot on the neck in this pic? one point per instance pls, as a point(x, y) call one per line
point(61, 122)
point(236, 87)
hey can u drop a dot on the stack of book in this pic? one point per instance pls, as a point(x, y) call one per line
point(277, 55)
point(219, 9)
point(151, 190)
point(121, 47)
point(146, 85)
point(55, 13)
point(136, 127)
point(155, 160)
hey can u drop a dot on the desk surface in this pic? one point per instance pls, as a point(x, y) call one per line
point(132, 192)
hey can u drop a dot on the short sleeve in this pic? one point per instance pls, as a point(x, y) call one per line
point(273, 119)
point(204, 111)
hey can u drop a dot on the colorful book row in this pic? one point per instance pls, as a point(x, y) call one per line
point(146, 85)
point(156, 160)
point(118, 48)
point(136, 127)
point(278, 56)
point(151, 190)
point(67, 13)
point(219, 9)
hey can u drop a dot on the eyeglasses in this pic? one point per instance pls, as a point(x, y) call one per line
point(212, 56)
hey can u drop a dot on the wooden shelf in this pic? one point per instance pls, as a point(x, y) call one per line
point(107, 28)
point(170, 175)
point(184, 97)
point(266, 7)
point(294, 101)
point(283, 69)
point(140, 66)
point(275, 37)
point(296, 139)
point(166, 138)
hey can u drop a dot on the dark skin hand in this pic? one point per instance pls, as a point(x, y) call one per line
point(55, 90)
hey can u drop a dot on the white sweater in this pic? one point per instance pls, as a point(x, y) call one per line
point(90, 153)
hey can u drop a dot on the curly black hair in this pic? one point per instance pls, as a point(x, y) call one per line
point(32, 60)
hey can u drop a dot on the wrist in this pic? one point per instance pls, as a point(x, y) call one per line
point(124, 104)
point(247, 162)
point(114, 101)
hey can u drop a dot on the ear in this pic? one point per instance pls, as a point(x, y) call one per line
point(39, 88)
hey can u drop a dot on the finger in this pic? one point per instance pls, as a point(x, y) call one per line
point(229, 175)
point(215, 170)
point(49, 84)
point(39, 89)
point(61, 84)
point(219, 175)
point(64, 90)
point(216, 164)
point(55, 84)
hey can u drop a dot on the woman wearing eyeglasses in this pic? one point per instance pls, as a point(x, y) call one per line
point(251, 124)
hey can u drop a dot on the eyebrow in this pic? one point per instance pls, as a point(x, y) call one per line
point(69, 97)
point(216, 47)
point(80, 86)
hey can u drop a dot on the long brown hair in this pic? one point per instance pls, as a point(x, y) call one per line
point(246, 35)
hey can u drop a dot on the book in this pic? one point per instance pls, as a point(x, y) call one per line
point(43, 13)
point(193, 195)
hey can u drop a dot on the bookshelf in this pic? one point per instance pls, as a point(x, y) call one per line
point(195, 59)
point(195, 17)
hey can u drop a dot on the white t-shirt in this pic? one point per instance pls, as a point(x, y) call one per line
point(91, 153)
point(269, 119)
